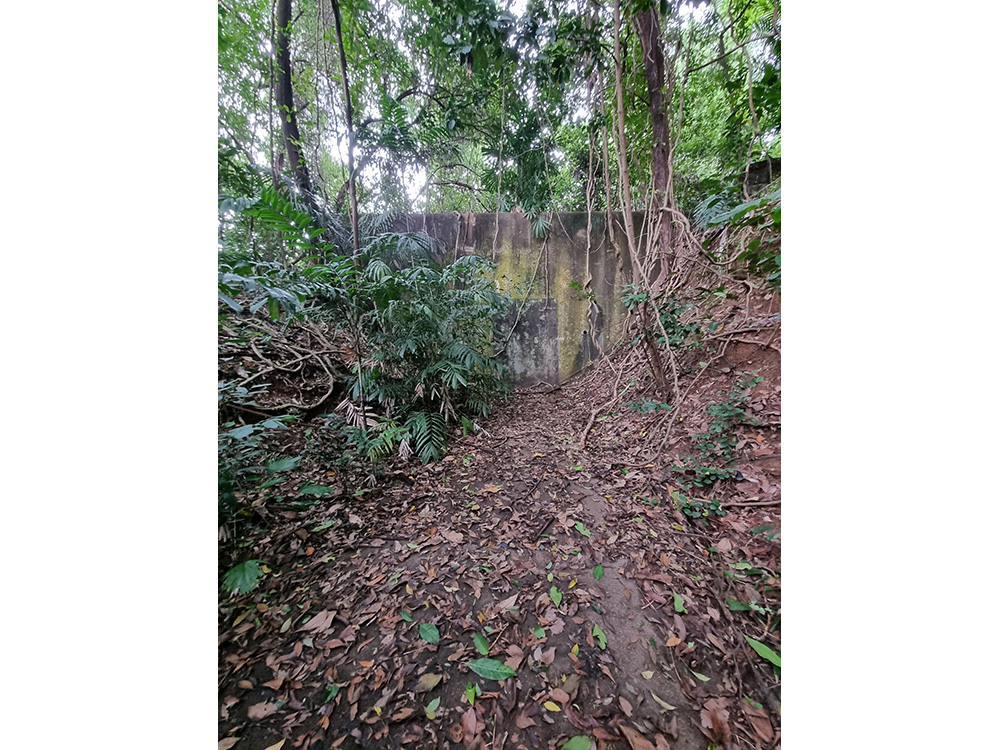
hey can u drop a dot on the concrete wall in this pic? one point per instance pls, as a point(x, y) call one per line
point(567, 299)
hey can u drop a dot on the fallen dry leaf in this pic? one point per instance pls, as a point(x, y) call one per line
point(276, 745)
point(714, 640)
point(673, 641)
point(245, 684)
point(663, 704)
point(321, 621)
point(274, 684)
point(560, 695)
point(714, 716)
point(572, 685)
point(760, 722)
point(428, 682)
point(523, 722)
point(469, 725)
point(626, 706)
point(261, 710)
point(545, 657)
point(403, 714)
point(228, 743)
point(636, 740)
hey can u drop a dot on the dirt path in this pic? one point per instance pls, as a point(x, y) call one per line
point(571, 564)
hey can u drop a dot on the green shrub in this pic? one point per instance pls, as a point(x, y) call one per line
point(423, 331)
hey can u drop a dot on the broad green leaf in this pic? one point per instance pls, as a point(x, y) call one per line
point(432, 707)
point(602, 640)
point(482, 645)
point(539, 632)
point(470, 693)
point(491, 669)
point(282, 464)
point(231, 302)
point(430, 633)
point(679, 603)
point(578, 743)
point(764, 651)
point(331, 692)
point(582, 529)
point(598, 572)
point(556, 596)
point(319, 490)
point(700, 676)
point(241, 432)
point(243, 578)
point(406, 616)
point(735, 606)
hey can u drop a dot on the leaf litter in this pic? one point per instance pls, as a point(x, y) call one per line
point(537, 592)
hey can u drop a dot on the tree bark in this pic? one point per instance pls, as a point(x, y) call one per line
point(286, 107)
point(647, 25)
point(349, 112)
point(655, 363)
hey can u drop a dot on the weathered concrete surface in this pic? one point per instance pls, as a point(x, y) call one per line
point(567, 291)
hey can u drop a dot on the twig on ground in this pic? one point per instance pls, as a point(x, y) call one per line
point(538, 534)
point(758, 327)
point(677, 404)
point(607, 405)
point(765, 504)
point(329, 391)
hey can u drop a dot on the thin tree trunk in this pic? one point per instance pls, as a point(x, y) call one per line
point(349, 111)
point(286, 107)
point(608, 205)
point(655, 363)
point(270, 109)
point(623, 176)
point(648, 26)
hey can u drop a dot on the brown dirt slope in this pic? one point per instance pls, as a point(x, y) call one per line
point(625, 619)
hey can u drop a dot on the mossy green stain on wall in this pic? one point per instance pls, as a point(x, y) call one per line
point(548, 343)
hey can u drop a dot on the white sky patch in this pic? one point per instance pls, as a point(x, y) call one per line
point(416, 178)
point(690, 11)
point(518, 7)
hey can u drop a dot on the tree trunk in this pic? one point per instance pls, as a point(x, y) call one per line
point(655, 363)
point(349, 112)
point(647, 24)
point(286, 107)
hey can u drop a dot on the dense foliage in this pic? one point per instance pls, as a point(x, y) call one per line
point(336, 116)
point(470, 105)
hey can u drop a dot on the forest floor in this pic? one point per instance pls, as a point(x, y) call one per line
point(625, 620)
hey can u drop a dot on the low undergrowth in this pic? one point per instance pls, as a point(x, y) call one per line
point(389, 348)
